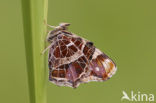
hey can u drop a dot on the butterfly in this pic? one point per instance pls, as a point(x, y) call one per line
point(73, 60)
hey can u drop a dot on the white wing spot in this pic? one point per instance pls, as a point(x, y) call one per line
point(97, 69)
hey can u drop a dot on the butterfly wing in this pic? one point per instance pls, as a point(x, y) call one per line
point(67, 64)
point(74, 60)
point(101, 67)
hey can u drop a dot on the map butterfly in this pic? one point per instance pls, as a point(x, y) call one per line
point(74, 60)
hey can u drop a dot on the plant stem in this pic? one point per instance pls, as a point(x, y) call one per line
point(34, 16)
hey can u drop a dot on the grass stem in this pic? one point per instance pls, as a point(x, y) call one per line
point(34, 16)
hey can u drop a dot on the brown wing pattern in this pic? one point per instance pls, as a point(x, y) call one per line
point(101, 66)
point(73, 60)
point(67, 64)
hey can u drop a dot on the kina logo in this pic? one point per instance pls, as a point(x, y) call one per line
point(137, 96)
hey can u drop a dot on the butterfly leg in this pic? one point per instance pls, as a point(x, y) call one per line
point(51, 26)
point(45, 49)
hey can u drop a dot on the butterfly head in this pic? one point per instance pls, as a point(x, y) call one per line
point(57, 30)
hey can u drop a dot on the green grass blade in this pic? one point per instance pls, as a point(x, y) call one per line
point(34, 16)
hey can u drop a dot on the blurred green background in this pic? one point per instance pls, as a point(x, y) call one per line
point(124, 29)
